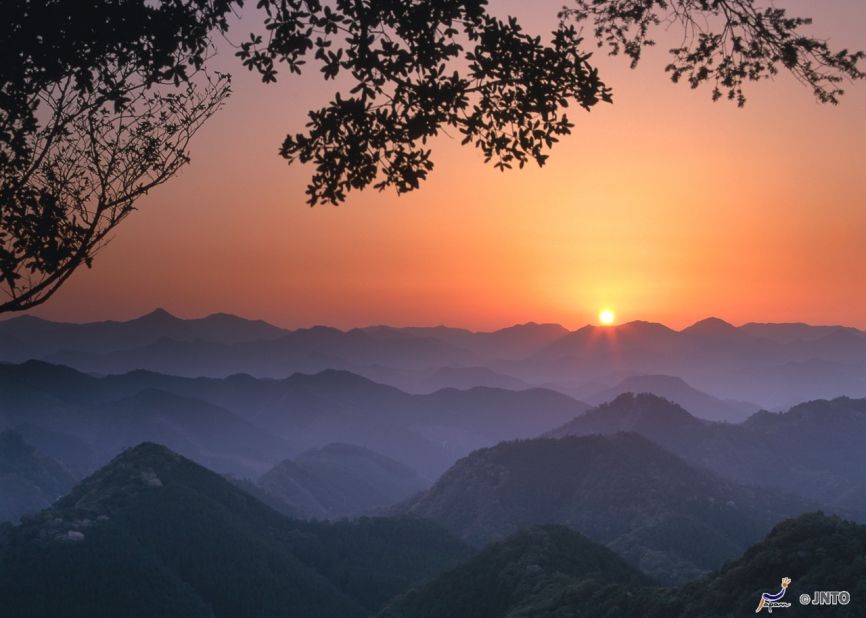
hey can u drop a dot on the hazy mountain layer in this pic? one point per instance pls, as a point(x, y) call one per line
point(245, 425)
point(677, 390)
point(772, 365)
point(813, 450)
point(339, 480)
point(29, 481)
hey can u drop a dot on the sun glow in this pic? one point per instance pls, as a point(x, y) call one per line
point(606, 317)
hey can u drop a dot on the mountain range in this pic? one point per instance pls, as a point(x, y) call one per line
point(676, 389)
point(764, 365)
point(244, 425)
point(552, 572)
point(224, 467)
point(153, 533)
point(813, 450)
point(338, 480)
point(671, 520)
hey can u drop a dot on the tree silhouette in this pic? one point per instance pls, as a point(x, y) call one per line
point(71, 73)
point(90, 163)
point(419, 68)
point(98, 103)
point(725, 42)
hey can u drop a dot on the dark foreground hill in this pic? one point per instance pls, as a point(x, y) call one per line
point(528, 574)
point(339, 480)
point(671, 520)
point(552, 572)
point(154, 534)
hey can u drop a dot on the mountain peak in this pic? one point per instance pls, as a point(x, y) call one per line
point(147, 452)
point(647, 406)
point(710, 326)
point(533, 326)
point(136, 470)
point(157, 315)
point(644, 326)
point(642, 412)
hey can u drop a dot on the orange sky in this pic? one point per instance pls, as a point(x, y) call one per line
point(663, 206)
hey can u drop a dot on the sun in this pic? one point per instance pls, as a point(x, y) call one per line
point(606, 317)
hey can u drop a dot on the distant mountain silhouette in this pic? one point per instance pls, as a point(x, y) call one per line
point(713, 356)
point(814, 450)
point(64, 410)
point(711, 327)
point(672, 521)
point(676, 389)
point(550, 572)
point(633, 340)
point(29, 481)
point(512, 343)
point(426, 432)
point(306, 350)
point(37, 338)
point(772, 365)
point(199, 430)
point(793, 332)
point(339, 480)
point(153, 534)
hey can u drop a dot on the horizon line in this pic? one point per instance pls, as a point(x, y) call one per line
point(162, 310)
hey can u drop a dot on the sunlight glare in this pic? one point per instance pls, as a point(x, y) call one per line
point(606, 317)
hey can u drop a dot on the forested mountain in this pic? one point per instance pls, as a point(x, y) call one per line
point(245, 425)
point(672, 521)
point(539, 571)
point(154, 534)
point(29, 481)
point(339, 480)
point(555, 573)
point(813, 450)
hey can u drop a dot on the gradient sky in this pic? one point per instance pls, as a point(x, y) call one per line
point(663, 206)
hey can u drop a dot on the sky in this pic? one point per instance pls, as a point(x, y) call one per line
point(663, 206)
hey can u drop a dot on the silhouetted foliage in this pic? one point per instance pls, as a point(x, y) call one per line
point(724, 42)
point(417, 69)
point(420, 68)
point(99, 100)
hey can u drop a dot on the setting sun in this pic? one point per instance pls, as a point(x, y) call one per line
point(606, 317)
